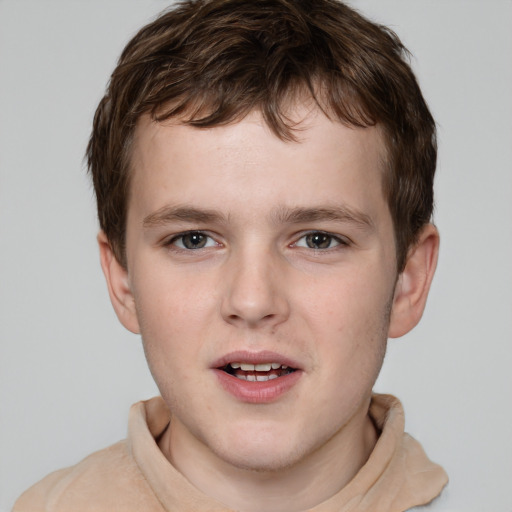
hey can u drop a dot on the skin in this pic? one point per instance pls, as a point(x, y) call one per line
point(260, 284)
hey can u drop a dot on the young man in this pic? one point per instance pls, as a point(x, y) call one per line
point(263, 172)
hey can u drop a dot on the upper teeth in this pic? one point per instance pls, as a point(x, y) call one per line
point(264, 367)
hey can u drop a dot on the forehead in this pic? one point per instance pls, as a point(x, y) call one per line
point(328, 161)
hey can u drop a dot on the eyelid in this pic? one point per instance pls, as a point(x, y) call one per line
point(170, 241)
point(341, 240)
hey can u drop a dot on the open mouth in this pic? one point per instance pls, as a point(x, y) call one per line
point(257, 377)
point(261, 372)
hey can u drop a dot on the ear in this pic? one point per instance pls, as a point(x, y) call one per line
point(118, 284)
point(413, 284)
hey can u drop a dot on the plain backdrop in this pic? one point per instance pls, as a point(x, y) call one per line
point(68, 370)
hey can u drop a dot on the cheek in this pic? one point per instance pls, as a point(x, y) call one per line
point(167, 329)
point(351, 301)
point(351, 322)
point(169, 300)
point(174, 318)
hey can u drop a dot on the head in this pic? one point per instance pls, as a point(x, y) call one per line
point(264, 182)
point(211, 63)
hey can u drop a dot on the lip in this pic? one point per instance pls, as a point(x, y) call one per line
point(257, 392)
point(265, 356)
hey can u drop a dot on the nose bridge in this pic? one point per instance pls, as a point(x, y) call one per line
point(253, 294)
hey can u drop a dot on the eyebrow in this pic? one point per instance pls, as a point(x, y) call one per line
point(335, 213)
point(281, 215)
point(169, 214)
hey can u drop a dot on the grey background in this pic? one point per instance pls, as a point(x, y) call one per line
point(69, 372)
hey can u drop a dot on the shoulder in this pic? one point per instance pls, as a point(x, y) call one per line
point(440, 504)
point(108, 480)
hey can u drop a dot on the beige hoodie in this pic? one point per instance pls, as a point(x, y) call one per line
point(134, 475)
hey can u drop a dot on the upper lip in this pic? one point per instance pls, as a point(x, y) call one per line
point(259, 357)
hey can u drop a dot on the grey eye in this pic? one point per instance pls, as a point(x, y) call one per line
point(318, 240)
point(192, 240)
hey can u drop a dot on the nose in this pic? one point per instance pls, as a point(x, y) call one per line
point(254, 294)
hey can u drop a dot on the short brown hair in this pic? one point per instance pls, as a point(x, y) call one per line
point(211, 62)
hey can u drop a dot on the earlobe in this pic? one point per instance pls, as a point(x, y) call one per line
point(413, 284)
point(118, 285)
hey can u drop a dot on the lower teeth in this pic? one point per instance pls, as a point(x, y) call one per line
point(256, 378)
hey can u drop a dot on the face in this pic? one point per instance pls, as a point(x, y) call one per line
point(261, 275)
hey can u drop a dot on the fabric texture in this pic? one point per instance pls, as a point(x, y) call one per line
point(134, 475)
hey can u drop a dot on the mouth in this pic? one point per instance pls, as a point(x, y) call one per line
point(261, 377)
point(260, 372)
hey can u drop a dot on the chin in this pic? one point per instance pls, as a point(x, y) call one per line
point(258, 452)
point(267, 462)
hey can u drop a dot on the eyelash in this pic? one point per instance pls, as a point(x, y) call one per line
point(172, 242)
point(340, 241)
point(330, 238)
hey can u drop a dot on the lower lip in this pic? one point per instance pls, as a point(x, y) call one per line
point(257, 392)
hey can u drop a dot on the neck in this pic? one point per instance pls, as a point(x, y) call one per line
point(314, 479)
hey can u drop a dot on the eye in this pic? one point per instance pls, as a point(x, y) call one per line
point(319, 240)
point(192, 240)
